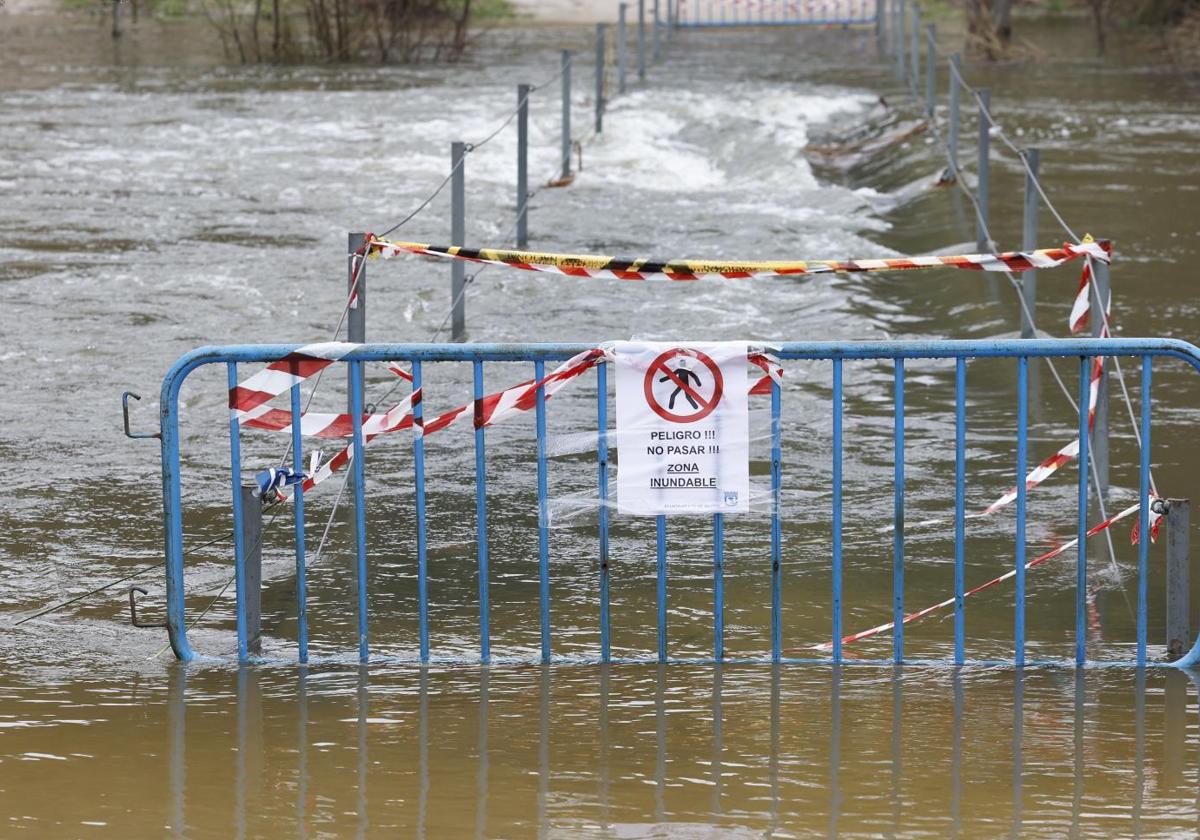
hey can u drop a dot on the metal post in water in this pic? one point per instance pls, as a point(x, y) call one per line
point(523, 92)
point(899, 36)
point(1100, 301)
point(458, 233)
point(600, 37)
point(955, 72)
point(657, 36)
point(252, 539)
point(982, 239)
point(566, 114)
point(1179, 563)
point(356, 320)
point(930, 69)
point(621, 48)
point(1029, 242)
point(641, 40)
point(914, 69)
point(879, 24)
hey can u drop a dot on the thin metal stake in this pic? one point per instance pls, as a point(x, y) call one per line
point(621, 49)
point(566, 114)
point(599, 98)
point(930, 70)
point(641, 35)
point(1030, 235)
point(955, 71)
point(915, 51)
point(523, 92)
point(458, 234)
point(984, 171)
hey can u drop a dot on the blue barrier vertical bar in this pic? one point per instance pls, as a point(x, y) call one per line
point(360, 508)
point(1143, 514)
point(602, 474)
point(837, 511)
point(718, 586)
point(660, 523)
point(298, 512)
point(1022, 457)
point(239, 546)
point(481, 534)
point(960, 489)
point(1085, 365)
point(419, 492)
point(539, 373)
point(898, 517)
point(776, 530)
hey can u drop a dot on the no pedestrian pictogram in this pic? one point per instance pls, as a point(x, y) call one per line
point(686, 383)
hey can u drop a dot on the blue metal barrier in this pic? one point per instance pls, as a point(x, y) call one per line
point(1083, 350)
point(717, 13)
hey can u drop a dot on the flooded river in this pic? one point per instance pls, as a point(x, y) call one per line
point(155, 201)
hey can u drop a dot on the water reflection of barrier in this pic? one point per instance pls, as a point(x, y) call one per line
point(390, 775)
point(291, 366)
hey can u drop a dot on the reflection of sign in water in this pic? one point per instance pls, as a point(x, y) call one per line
point(682, 427)
point(676, 369)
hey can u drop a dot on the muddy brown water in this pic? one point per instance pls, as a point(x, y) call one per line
point(155, 200)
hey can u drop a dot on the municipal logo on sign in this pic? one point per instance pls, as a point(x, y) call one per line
point(683, 386)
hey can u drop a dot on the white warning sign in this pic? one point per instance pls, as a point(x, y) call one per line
point(682, 428)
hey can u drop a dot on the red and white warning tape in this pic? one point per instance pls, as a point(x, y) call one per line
point(249, 400)
point(642, 268)
point(949, 602)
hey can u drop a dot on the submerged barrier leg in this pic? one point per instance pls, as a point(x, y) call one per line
point(539, 371)
point(837, 511)
point(624, 7)
point(599, 97)
point(776, 528)
point(1022, 457)
point(252, 525)
point(960, 481)
point(481, 528)
point(523, 92)
point(898, 516)
point(298, 514)
point(239, 520)
point(661, 546)
point(718, 586)
point(1030, 233)
point(458, 234)
point(982, 238)
point(602, 476)
point(419, 492)
point(952, 132)
point(1179, 564)
point(360, 514)
point(1144, 513)
point(1085, 365)
point(899, 39)
point(566, 114)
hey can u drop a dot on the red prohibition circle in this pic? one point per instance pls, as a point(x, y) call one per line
point(706, 406)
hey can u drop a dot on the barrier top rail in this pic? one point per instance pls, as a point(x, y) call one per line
point(532, 396)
